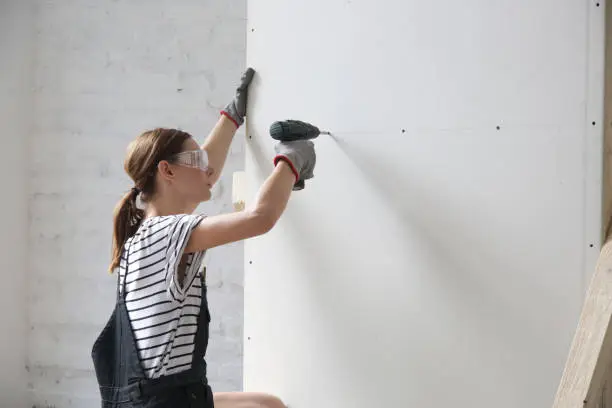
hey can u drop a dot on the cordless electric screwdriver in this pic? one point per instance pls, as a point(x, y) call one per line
point(292, 130)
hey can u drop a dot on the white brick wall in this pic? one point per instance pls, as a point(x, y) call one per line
point(106, 70)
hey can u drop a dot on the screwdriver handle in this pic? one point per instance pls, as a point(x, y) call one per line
point(291, 130)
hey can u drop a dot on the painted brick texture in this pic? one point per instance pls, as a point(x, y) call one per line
point(103, 72)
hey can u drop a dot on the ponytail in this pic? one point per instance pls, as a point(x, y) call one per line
point(127, 219)
point(143, 157)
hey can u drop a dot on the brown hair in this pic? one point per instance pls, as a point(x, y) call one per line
point(143, 155)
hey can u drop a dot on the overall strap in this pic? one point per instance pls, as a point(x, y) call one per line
point(118, 283)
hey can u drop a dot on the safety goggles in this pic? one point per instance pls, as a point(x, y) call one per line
point(197, 159)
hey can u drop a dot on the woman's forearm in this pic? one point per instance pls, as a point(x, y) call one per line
point(217, 145)
point(274, 194)
point(259, 219)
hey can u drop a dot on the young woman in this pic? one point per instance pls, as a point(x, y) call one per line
point(151, 352)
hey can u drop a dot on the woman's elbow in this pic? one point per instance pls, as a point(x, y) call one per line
point(263, 222)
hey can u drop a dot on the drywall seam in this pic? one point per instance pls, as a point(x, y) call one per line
point(594, 134)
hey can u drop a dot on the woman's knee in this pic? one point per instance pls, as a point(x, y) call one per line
point(247, 399)
point(270, 401)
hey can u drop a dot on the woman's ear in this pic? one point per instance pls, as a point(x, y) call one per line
point(165, 170)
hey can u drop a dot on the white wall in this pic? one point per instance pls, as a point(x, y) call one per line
point(105, 71)
point(15, 117)
point(439, 256)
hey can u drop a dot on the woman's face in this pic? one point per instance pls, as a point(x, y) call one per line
point(193, 176)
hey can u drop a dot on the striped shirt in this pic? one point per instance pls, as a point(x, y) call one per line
point(163, 312)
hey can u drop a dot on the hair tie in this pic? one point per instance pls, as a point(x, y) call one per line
point(135, 190)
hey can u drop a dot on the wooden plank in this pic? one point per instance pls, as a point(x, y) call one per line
point(603, 396)
point(583, 380)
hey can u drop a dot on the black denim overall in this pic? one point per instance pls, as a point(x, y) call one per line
point(120, 375)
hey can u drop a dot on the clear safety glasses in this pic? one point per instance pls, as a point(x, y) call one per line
point(197, 159)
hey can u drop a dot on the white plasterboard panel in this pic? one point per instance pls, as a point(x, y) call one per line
point(435, 259)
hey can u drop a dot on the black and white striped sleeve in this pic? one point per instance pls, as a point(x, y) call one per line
point(179, 232)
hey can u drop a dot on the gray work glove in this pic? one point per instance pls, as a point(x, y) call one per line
point(301, 157)
point(236, 109)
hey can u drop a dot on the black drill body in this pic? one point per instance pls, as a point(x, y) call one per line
point(291, 130)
